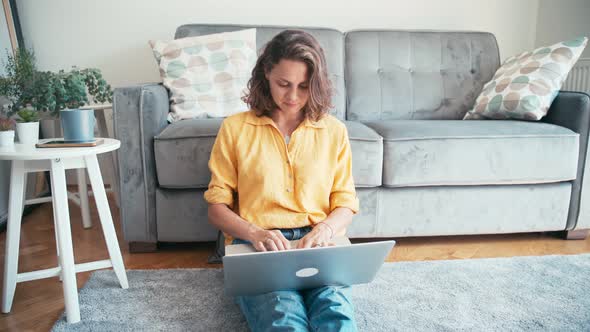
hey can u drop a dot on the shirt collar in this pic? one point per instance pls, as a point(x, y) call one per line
point(265, 120)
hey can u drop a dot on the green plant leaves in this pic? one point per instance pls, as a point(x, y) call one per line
point(20, 72)
point(50, 91)
point(27, 115)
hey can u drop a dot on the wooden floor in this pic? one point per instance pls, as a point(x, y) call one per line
point(37, 304)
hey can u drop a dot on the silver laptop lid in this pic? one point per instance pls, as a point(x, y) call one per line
point(296, 269)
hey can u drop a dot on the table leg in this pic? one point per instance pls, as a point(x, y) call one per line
point(24, 193)
point(66, 257)
point(106, 220)
point(83, 193)
point(115, 182)
point(15, 209)
point(56, 240)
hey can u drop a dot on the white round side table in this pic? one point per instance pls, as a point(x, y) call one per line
point(27, 158)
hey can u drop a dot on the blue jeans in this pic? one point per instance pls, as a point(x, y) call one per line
point(326, 308)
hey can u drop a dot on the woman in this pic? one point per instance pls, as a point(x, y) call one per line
point(289, 164)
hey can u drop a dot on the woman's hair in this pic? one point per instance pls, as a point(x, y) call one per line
point(293, 45)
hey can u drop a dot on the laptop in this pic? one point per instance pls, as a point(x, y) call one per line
point(249, 272)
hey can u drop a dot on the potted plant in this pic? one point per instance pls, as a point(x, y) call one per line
point(17, 84)
point(6, 131)
point(27, 126)
point(50, 92)
point(68, 91)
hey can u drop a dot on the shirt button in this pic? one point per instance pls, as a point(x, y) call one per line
point(290, 176)
point(288, 190)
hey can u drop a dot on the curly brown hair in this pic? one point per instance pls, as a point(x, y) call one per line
point(293, 45)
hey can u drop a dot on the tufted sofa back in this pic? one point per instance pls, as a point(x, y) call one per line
point(416, 74)
point(394, 74)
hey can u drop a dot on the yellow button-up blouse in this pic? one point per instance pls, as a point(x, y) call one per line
point(280, 185)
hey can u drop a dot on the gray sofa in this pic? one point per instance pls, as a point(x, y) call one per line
point(418, 168)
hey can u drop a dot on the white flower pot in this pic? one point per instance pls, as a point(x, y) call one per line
point(7, 138)
point(28, 132)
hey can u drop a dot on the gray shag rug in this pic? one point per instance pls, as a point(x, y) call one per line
point(544, 293)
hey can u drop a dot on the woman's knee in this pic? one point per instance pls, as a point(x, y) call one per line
point(273, 310)
point(329, 293)
point(273, 301)
point(330, 308)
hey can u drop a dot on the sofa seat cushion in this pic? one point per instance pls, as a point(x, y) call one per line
point(454, 152)
point(367, 154)
point(182, 152)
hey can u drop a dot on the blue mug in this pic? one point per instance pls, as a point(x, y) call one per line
point(77, 125)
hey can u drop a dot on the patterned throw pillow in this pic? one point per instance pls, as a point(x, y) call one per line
point(206, 75)
point(525, 85)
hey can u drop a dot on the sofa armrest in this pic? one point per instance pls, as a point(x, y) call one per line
point(139, 113)
point(572, 110)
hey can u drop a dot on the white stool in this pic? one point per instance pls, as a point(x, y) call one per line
point(27, 158)
point(80, 198)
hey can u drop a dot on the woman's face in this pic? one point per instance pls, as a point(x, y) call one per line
point(289, 85)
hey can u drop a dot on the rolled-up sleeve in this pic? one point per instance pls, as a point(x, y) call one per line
point(222, 165)
point(343, 193)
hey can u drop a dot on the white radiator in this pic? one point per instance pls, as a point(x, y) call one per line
point(579, 77)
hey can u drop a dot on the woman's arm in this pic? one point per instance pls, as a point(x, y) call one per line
point(226, 220)
point(323, 232)
point(343, 201)
point(339, 220)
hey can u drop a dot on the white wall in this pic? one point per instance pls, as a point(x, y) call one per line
point(112, 34)
point(562, 20)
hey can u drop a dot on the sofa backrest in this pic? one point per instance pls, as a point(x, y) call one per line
point(393, 74)
point(330, 40)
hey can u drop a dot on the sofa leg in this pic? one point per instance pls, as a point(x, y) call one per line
point(139, 247)
point(577, 234)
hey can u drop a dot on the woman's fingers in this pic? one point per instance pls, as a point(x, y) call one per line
point(276, 238)
point(312, 240)
point(259, 246)
point(283, 240)
point(279, 244)
point(276, 241)
point(286, 243)
point(308, 243)
point(271, 245)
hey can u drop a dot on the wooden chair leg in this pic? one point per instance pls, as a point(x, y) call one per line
point(577, 234)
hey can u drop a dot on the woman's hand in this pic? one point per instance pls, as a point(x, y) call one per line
point(320, 236)
point(269, 240)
